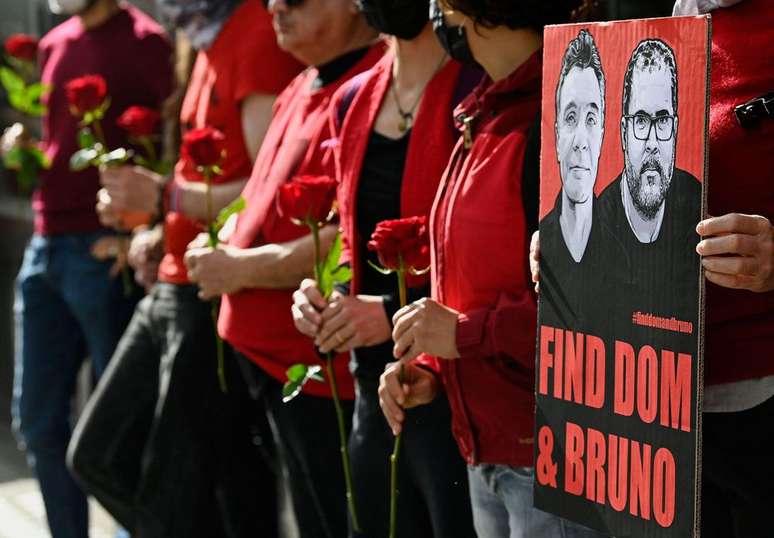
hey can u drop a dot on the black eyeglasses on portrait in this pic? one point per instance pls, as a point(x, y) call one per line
point(642, 123)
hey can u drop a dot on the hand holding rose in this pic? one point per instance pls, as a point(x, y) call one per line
point(419, 387)
point(425, 326)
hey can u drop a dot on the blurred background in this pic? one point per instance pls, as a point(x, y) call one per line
point(21, 510)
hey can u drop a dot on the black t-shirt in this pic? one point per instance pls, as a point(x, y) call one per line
point(652, 285)
point(573, 294)
point(378, 198)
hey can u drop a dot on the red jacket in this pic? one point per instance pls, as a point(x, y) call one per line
point(480, 268)
point(258, 322)
point(740, 324)
point(431, 143)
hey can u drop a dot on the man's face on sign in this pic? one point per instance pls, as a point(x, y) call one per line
point(649, 135)
point(580, 128)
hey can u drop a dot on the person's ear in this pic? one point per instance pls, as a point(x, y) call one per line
point(623, 134)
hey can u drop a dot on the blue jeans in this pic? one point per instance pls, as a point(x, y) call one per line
point(502, 502)
point(67, 307)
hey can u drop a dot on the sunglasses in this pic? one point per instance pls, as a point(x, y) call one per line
point(289, 3)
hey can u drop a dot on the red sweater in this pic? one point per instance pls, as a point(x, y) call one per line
point(431, 143)
point(258, 322)
point(480, 268)
point(131, 52)
point(223, 76)
point(740, 324)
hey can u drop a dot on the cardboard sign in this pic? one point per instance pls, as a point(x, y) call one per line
point(619, 346)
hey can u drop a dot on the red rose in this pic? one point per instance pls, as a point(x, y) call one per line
point(139, 121)
point(86, 94)
point(203, 148)
point(407, 238)
point(307, 198)
point(22, 46)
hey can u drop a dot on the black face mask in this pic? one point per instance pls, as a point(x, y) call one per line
point(405, 19)
point(453, 39)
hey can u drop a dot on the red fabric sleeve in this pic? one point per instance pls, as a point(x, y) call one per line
point(429, 363)
point(507, 329)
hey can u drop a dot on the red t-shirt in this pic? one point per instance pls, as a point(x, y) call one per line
point(243, 60)
point(258, 322)
point(131, 52)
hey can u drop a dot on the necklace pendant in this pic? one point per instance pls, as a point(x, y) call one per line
point(405, 123)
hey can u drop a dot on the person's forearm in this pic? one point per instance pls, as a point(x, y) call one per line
point(193, 199)
point(285, 265)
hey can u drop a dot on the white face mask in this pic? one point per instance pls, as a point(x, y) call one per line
point(68, 7)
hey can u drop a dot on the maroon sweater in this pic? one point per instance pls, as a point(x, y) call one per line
point(740, 324)
point(131, 52)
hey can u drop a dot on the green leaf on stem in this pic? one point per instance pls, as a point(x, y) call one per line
point(86, 138)
point(36, 91)
point(11, 81)
point(84, 158)
point(298, 376)
point(382, 270)
point(27, 161)
point(234, 208)
point(36, 109)
point(331, 272)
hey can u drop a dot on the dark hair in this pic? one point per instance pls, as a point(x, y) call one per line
point(582, 53)
point(650, 54)
point(533, 14)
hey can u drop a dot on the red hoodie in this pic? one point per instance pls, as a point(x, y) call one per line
point(480, 268)
point(258, 322)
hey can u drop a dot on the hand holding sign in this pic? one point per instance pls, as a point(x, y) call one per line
point(738, 251)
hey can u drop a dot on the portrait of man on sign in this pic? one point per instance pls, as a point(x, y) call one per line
point(653, 205)
point(571, 235)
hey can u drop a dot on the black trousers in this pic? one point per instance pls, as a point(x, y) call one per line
point(738, 473)
point(306, 432)
point(433, 496)
point(160, 446)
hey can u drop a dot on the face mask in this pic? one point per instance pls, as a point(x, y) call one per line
point(405, 19)
point(69, 7)
point(453, 39)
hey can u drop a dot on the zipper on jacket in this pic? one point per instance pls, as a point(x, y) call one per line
point(467, 129)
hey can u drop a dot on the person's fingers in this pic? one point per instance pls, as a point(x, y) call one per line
point(349, 338)
point(331, 310)
point(401, 313)
point(402, 344)
point(730, 281)
point(330, 326)
point(390, 398)
point(115, 268)
point(731, 265)
point(305, 308)
point(302, 323)
point(534, 256)
point(335, 337)
point(309, 287)
point(732, 223)
point(404, 321)
point(409, 354)
point(728, 244)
